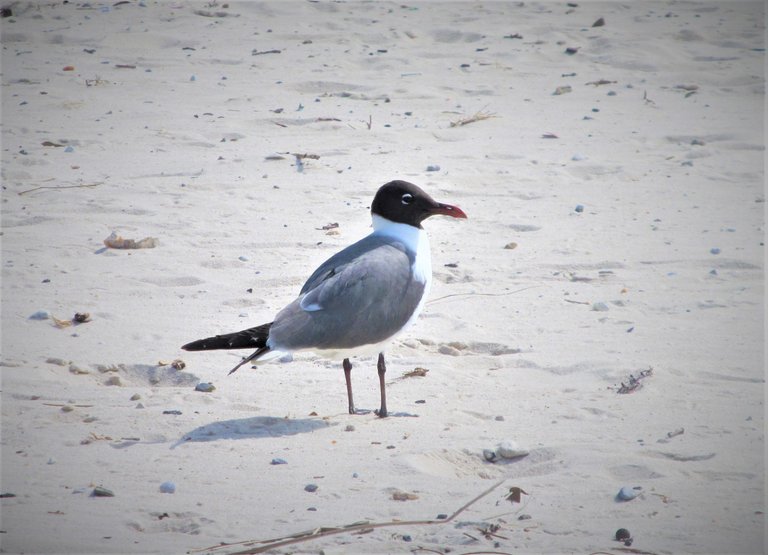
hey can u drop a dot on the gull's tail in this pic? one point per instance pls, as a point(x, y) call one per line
point(252, 338)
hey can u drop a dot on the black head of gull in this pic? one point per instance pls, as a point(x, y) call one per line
point(405, 203)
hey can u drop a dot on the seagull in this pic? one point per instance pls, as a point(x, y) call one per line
point(359, 299)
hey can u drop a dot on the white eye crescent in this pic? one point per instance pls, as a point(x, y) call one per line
point(407, 198)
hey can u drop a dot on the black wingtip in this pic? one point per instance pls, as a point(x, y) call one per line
point(198, 345)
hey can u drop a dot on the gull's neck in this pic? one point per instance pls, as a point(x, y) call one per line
point(413, 237)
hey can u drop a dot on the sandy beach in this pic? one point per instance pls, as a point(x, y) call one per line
point(601, 311)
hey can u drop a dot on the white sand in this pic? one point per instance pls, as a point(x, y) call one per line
point(176, 147)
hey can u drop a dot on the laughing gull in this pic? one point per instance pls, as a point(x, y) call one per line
point(358, 300)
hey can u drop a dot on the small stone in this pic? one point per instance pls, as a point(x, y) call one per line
point(578, 157)
point(600, 307)
point(242, 258)
point(499, 418)
point(489, 455)
point(349, 428)
point(599, 23)
point(579, 208)
point(311, 488)
point(510, 450)
point(627, 494)
point(713, 272)
point(40, 315)
point(562, 90)
point(433, 168)
point(407, 538)
point(510, 246)
point(524, 517)
point(173, 412)
point(622, 534)
point(135, 397)
point(205, 387)
point(67, 408)
point(442, 516)
point(57, 361)
point(51, 460)
point(113, 380)
point(167, 487)
point(278, 461)
point(74, 369)
point(714, 250)
point(82, 317)
point(139, 406)
point(99, 491)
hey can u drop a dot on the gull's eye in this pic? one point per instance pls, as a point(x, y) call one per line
point(407, 198)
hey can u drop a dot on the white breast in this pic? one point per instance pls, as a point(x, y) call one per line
point(416, 240)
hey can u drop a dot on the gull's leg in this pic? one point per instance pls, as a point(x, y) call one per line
point(347, 371)
point(382, 368)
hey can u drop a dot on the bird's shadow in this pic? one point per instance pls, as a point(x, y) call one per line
point(252, 428)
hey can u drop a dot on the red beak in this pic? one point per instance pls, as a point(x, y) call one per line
point(448, 210)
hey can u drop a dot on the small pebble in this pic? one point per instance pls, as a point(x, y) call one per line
point(627, 494)
point(407, 538)
point(442, 516)
point(510, 246)
point(354, 475)
point(75, 369)
point(242, 258)
point(311, 488)
point(167, 487)
point(714, 250)
point(51, 460)
point(174, 412)
point(113, 380)
point(57, 361)
point(510, 450)
point(524, 517)
point(578, 157)
point(599, 23)
point(67, 408)
point(489, 455)
point(69, 149)
point(102, 492)
point(622, 534)
point(135, 397)
point(600, 307)
point(713, 272)
point(40, 315)
point(579, 208)
point(278, 461)
point(205, 387)
point(433, 168)
point(499, 418)
point(349, 428)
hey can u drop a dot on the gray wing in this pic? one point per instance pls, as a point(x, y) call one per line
point(362, 295)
